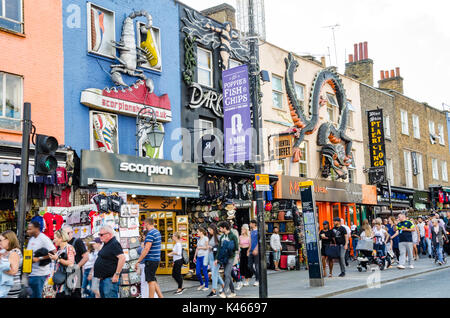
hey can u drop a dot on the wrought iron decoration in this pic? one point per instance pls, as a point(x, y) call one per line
point(336, 145)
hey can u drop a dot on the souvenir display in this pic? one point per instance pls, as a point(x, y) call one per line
point(125, 279)
point(133, 254)
point(124, 243)
point(134, 278)
point(124, 291)
point(133, 242)
point(134, 291)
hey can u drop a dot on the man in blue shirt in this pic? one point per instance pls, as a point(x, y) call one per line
point(252, 253)
point(404, 232)
point(151, 254)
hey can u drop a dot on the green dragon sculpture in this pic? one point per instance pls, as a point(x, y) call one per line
point(336, 145)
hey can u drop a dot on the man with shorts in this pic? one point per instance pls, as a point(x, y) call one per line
point(151, 254)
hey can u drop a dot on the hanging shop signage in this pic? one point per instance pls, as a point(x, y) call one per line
point(311, 235)
point(129, 173)
point(201, 97)
point(156, 203)
point(283, 147)
point(414, 163)
point(237, 120)
point(377, 146)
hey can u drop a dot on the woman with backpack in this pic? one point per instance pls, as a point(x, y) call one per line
point(177, 254)
point(213, 235)
point(64, 257)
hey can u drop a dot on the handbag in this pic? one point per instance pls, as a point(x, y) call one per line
point(332, 251)
point(60, 276)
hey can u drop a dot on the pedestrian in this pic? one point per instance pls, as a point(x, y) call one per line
point(275, 244)
point(213, 244)
point(41, 245)
point(349, 233)
point(228, 246)
point(177, 254)
point(327, 237)
point(81, 258)
point(64, 258)
point(244, 244)
point(355, 239)
point(438, 236)
point(201, 259)
point(109, 263)
point(13, 256)
point(421, 228)
point(385, 222)
point(404, 231)
point(381, 236)
point(253, 260)
point(428, 226)
point(152, 256)
point(94, 283)
point(341, 237)
point(416, 239)
point(392, 244)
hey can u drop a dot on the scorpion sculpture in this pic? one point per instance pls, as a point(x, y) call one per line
point(334, 154)
point(131, 56)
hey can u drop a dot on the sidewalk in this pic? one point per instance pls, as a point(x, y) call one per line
point(295, 284)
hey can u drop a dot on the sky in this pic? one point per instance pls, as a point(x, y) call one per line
point(411, 34)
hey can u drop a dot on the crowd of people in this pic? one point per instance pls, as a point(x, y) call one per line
point(403, 239)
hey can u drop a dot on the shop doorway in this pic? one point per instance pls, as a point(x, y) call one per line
point(242, 217)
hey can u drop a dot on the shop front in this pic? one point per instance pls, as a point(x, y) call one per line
point(402, 200)
point(156, 188)
point(421, 200)
point(440, 197)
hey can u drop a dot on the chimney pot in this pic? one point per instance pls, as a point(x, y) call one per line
point(366, 50)
point(386, 74)
point(392, 73)
point(397, 69)
point(382, 75)
point(350, 58)
point(356, 53)
point(361, 53)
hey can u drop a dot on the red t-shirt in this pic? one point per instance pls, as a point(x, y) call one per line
point(92, 214)
point(61, 175)
point(53, 222)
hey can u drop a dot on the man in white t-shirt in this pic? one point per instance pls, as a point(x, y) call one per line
point(349, 233)
point(41, 265)
point(421, 226)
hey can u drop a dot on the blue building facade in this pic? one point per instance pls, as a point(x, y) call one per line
point(89, 29)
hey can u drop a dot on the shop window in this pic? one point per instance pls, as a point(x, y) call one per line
point(104, 132)
point(441, 134)
point(404, 119)
point(11, 15)
point(233, 63)
point(204, 67)
point(387, 127)
point(416, 126)
point(435, 168)
point(11, 96)
point(101, 29)
point(303, 163)
point(277, 91)
point(155, 38)
point(444, 171)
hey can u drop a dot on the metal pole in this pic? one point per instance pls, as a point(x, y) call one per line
point(390, 197)
point(254, 79)
point(23, 190)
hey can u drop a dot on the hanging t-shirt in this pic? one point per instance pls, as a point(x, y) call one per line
point(441, 197)
point(61, 175)
point(115, 203)
point(50, 179)
point(92, 215)
point(53, 222)
point(31, 173)
point(6, 173)
point(102, 202)
point(17, 171)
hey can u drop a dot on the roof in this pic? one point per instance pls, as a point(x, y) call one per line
point(220, 7)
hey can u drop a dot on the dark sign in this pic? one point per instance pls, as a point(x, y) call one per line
point(377, 148)
point(311, 235)
point(377, 175)
point(414, 163)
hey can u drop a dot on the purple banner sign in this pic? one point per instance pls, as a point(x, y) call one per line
point(236, 108)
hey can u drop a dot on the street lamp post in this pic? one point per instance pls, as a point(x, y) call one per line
point(254, 82)
point(146, 123)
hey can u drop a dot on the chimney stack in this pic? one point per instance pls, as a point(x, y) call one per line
point(222, 13)
point(392, 81)
point(360, 67)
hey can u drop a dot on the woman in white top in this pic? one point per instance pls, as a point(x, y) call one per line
point(381, 237)
point(201, 258)
point(177, 254)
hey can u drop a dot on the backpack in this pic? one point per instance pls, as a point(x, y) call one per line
point(226, 252)
point(185, 257)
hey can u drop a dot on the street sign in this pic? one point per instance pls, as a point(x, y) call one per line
point(262, 182)
point(311, 234)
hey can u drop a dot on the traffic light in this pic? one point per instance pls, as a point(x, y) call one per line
point(44, 158)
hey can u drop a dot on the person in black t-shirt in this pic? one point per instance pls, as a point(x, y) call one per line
point(81, 257)
point(341, 238)
point(109, 264)
point(327, 238)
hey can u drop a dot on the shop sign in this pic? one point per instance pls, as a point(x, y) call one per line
point(156, 203)
point(414, 163)
point(283, 147)
point(397, 197)
point(377, 144)
point(421, 197)
point(262, 182)
point(237, 120)
point(201, 97)
point(100, 166)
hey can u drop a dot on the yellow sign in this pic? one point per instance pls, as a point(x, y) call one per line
point(306, 184)
point(262, 179)
point(27, 261)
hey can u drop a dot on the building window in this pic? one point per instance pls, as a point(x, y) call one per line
point(11, 15)
point(206, 127)
point(352, 169)
point(435, 168)
point(420, 184)
point(441, 134)
point(432, 128)
point(104, 132)
point(101, 29)
point(408, 169)
point(303, 163)
point(204, 67)
point(153, 62)
point(444, 171)
point(282, 166)
point(390, 171)
point(404, 119)
point(11, 96)
point(277, 91)
point(387, 127)
point(300, 91)
point(416, 126)
point(332, 105)
point(233, 63)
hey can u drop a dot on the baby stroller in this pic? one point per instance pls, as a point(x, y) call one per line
point(368, 256)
